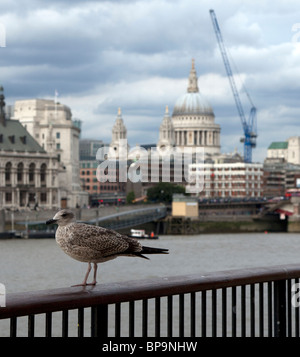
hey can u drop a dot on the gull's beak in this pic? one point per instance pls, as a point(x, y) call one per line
point(51, 221)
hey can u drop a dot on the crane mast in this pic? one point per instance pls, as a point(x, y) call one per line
point(249, 127)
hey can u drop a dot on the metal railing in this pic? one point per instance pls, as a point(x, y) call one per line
point(248, 302)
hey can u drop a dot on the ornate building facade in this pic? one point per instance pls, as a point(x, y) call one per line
point(193, 121)
point(28, 174)
point(119, 132)
point(51, 125)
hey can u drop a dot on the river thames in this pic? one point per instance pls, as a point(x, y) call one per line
point(37, 264)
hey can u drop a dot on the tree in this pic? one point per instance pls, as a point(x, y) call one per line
point(130, 197)
point(163, 192)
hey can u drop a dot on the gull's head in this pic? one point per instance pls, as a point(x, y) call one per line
point(62, 218)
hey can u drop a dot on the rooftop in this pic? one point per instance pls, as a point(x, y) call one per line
point(278, 145)
point(14, 137)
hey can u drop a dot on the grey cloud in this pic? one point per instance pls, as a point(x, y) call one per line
point(136, 54)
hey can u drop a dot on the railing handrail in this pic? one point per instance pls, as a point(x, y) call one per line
point(35, 302)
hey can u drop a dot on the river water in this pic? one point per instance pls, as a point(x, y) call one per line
point(37, 264)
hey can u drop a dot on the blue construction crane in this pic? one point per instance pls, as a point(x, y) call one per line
point(249, 126)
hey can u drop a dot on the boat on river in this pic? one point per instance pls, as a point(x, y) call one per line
point(141, 234)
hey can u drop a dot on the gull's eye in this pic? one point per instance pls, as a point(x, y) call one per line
point(64, 215)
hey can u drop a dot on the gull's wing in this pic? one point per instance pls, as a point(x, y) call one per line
point(104, 241)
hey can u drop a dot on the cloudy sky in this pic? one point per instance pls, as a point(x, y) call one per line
point(101, 55)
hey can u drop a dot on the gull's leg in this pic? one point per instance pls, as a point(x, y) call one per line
point(86, 276)
point(94, 282)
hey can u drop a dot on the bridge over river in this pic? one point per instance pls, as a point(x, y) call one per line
point(119, 220)
point(131, 218)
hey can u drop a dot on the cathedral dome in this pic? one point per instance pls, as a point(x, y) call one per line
point(194, 120)
point(192, 104)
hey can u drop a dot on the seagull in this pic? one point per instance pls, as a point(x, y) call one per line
point(94, 244)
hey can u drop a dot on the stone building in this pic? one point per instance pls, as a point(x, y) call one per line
point(288, 150)
point(119, 133)
point(28, 174)
point(51, 125)
point(235, 179)
point(193, 120)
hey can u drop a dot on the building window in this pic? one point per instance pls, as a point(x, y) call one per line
point(43, 174)
point(58, 135)
point(43, 197)
point(8, 197)
point(20, 172)
point(8, 172)
point(57, 146)
point(31, 197)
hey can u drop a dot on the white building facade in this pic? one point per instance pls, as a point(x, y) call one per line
point(51, 125)
point(235, 180)
point(288, 150)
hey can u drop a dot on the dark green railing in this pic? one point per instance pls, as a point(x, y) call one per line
point(248, 302)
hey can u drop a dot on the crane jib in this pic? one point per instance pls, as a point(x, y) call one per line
point(249, 126)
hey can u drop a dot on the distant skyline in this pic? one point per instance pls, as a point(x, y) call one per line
point(102, 55)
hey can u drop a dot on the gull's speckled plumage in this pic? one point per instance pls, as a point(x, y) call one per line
point(93, 244)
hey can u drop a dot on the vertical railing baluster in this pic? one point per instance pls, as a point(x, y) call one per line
point(261, 309)
point(99, 321)
point(170, 316)
point(270, 309)
point(157, 317)
point(118, 319)
point(103, 314)
point(280, 308)
point(31, 326)
point(203, 313)
point(65, 323)
point(214, 313)
point(145, 318)
point(224, 312)
point(48, 327)
point(94, 321)
point(13, 327)
point(80, 324)
point(252, 310)
point(233, 311)
point(181, 315)
point(297, 320)
point(103, 311)
point(243, 310)
point(131, 318)
point(193, 314)
point(289, 307)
